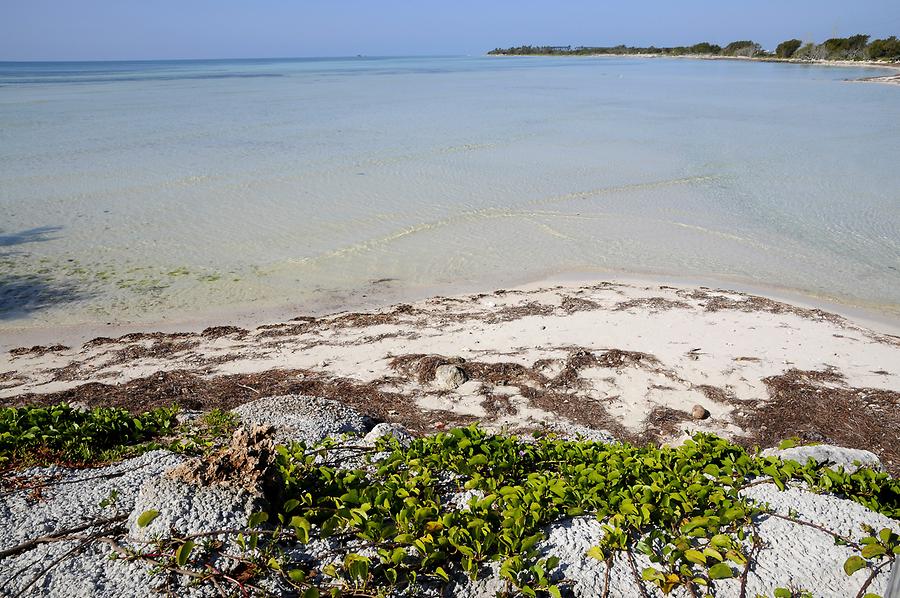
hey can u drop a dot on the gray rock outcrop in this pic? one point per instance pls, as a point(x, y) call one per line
point(189, 508)
point(303, 418)
point(381, 430)
point(211, 492)
point(826, 454)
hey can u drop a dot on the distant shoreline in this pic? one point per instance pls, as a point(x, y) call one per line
point(889, 79)
point(860, 48)
point(823, 62)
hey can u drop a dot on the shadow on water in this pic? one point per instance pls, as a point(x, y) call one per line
point(31, 235)
point(22, 294)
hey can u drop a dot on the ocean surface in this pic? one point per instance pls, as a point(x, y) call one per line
point(132, 191)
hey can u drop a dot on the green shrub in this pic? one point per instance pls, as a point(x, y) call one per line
point(706, 48)
point(788, 48)
point(742, 48)
point(884, 49)
point(62, 433)
point(846, 48)
point(855, 47)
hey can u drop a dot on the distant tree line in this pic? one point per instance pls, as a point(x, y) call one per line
point(856, 47)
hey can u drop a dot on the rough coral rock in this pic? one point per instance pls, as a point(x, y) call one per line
point(247, 463)
point(303, 418)
point(190, 508)
point(210, 492)
point(397, 431)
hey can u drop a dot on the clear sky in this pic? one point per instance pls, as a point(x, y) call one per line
point(147, 29)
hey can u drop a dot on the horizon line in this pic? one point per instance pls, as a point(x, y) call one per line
point(232, 58)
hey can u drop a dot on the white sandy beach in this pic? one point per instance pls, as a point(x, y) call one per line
point(630, 358)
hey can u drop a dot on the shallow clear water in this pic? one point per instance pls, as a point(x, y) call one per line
point(132, 190)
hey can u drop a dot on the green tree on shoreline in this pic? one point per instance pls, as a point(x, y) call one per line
point(855, 47)
point(788, 48)
point(884, 49)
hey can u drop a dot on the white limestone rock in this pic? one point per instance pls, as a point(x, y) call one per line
point(449, 376)
point(826, 454)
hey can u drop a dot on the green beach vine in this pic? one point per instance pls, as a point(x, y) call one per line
point(681, 508)
point(394, 518)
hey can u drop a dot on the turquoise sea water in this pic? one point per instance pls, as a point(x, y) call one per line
point(132, 190)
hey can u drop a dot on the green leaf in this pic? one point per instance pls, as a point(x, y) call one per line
point(788, 443)
point(439, 571)
point(711, 469)
point(478, 460)
point(395, 556)
point(720, 541)
point(872, 550)
point(651, 574)
point(297, 575)
point(310, 593)
point(720, 571)
point(147, 517)
point(357, 567)
point(258, 518)
point(301, 528)
point(736, 557)
point(695, 556)
point(595, 552)
point(554, 591)
point(734, 513)
point(626, 507)
point(854, 564)
point(183, 553)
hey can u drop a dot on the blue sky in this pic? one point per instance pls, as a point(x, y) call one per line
point(147, 29)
